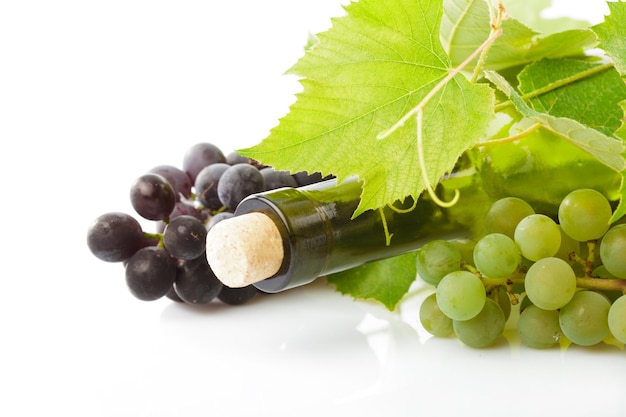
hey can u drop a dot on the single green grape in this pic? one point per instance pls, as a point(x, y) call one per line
point(482, 330)
point(496, 255)
point(432, 318)
point(617, 319)
point(436, 259)
point(584, 320)
point(524, 303)
point(613, 251)
point(503, 300)
point(585, 214)
point(461, 295)
point(567, 247)
point(550, 283)
point(537, 236)
point(466, 248)
point(504, 215)
point(539, 328)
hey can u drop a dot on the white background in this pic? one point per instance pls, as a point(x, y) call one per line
point(94, 93)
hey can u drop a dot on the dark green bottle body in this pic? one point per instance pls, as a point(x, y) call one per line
point(321, 238)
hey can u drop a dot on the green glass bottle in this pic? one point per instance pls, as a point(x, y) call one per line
point(320, 236)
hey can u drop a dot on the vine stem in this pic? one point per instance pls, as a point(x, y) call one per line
point(155, 236)
point(388, 235)
point(511, 138)
point(151, 236)
point(602, 284)
point(587, 282)
point(557, 84)
point(418, 111)
point(496, 24)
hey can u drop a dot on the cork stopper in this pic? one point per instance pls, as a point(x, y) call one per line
point(245, 249)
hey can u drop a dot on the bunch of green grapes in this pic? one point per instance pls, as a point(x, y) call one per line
point(569, 271)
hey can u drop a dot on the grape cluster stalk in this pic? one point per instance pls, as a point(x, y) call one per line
point(567, 275)
point(185, 203)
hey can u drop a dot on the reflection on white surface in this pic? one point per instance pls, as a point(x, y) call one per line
point(312, 351)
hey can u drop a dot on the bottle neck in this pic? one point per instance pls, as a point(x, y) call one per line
point(320, 237)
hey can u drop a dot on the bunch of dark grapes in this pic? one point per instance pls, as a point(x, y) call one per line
point(184, 203)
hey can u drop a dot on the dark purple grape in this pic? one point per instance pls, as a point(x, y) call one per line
point(199, 156)
point(150, 273)
point(218, 218)
point(185, 237)
point(152, 197)
point(277, 179)
point(177, 178)
point(206, 185)
point(304, 178)
point(195, 281)
point(237, 296)
point(115, 237)
point(171, 294)
point(238, 182)
point(234, 158)
point(181, 209)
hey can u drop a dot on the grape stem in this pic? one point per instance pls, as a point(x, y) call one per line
point(496, 24)
point(588, 281)
point(587, 264)
point(511, 138)
point(602, 284)
point(154, 236)
point(388, 235)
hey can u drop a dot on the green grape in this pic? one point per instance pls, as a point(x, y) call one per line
point(524, 303)
point(504, 215)
point(466, 248)
point(503, 300)
point(496, 255)
point(602, 272)
point(568, 246)
point(585, 214)
point(482, 330)
point(436, 259)
point(550, 283)
point(617, 319)
point(613, 251)
point(461, 295)
point(433, 319)
point(584, 320)
point(538, 236)
point(539, 328)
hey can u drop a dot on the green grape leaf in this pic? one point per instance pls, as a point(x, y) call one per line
point(386, 281)
point(372, 67)
point(621, 131)
point(606, 149)
point(466, 24)
point(620, 211)
point(591, 100)
point(611, 38)
point(611, 35)
point(529, 13)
